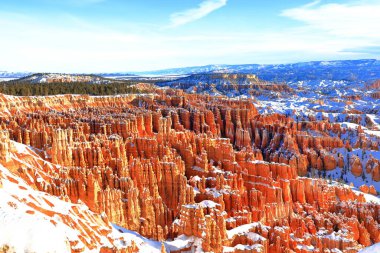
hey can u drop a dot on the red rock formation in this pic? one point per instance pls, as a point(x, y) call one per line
point(356, 166)
point(171, 164)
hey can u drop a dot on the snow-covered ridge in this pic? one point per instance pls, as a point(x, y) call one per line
point(229, 84)
point(64, 78)
point(12, 75)
point(367, 69)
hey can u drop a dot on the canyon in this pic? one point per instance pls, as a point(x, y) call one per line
point(169, 171)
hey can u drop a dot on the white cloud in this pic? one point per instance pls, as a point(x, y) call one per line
point(190, 15)
point(359, 19)
point(71, 44)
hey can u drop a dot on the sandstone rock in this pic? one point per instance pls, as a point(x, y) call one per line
point(170, 164)
point(356, 166)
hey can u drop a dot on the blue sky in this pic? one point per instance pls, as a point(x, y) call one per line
point(137, 35)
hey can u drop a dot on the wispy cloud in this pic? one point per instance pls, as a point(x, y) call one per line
point(359, 19)
point(74, 44)
point(372, 50)
point(190, 15)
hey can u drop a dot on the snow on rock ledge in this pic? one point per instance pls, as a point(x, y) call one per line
point(33, 221)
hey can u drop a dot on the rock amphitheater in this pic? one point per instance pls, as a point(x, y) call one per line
point(182, 173)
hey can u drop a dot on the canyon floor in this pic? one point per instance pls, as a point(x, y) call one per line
point(270, 168)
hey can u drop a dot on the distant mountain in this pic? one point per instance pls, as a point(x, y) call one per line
point(348, 70)
point(12, 75)
point(185, 70)
point(64, 78)
point(141, 78)
point(366, 70)
point(229, 84)
point(116, 74)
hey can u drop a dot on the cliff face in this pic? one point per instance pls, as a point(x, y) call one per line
point(171, 164)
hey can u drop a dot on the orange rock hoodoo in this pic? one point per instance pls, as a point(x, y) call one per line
point(171, 163)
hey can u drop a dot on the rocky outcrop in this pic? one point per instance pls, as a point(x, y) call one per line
point(356, 166)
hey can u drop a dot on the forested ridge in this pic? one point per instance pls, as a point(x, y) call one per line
point(21, 88)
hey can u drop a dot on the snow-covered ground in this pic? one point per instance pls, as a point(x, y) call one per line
point(372, 249)
point(147, 245)
point(347, 176)
point(24, 229)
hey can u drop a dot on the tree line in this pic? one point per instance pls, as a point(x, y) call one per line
point(18, 88)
